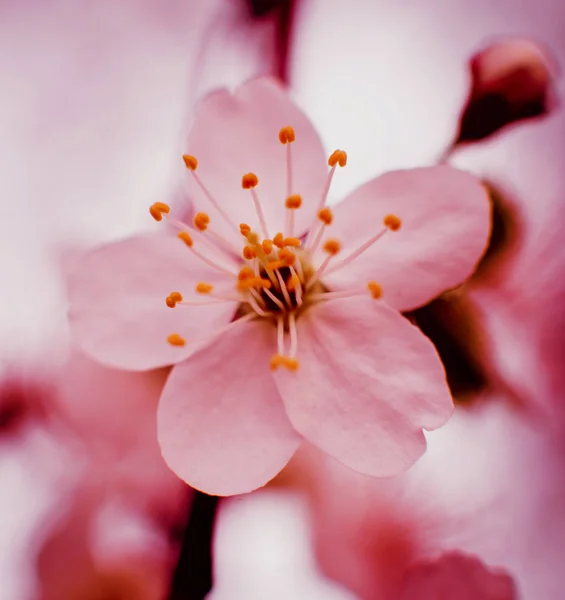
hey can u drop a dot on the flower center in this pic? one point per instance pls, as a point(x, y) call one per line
point(275, 277)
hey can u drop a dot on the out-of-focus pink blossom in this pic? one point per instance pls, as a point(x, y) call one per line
point(455, 575)
point(292, 301)
point(92, 555)
point(400, 70)
point(511, 81)
point(112, 531)
point(109, 416)
point(491, 485)
point(518, 295)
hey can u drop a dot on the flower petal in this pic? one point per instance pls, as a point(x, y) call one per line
point(117, 302)
point(445, 228)
point(221, 422)
point(368, 383)
point(456, 575)
point(239, 133)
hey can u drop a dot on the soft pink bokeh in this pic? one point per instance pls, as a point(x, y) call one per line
point(113, 527)
point(490, 485)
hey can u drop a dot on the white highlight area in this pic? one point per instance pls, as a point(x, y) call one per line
point(262, 549)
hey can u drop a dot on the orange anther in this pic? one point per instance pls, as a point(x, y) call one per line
point(375, 289)
point(176, 340)
point(276, 361)
point(185, 237)
point(279, 360)
point(326, 216)
point(249, 252)
point(276, 264)
point(278, 240)
point(392, 222)
point(286, 135)
point(292, 241)
point(249, 282)
point(201, 221)
point(157, 209)
point(291, 364)
point(245, 229)
point(267, 246)
point(262, 282)
point(190, 162)
point(173, 298)
point(287, 257)
point(337, 157)
point(332, 246)
point(294, 201)
point(293, 282)
point(249, 180)
point(245, 273)
point(204, 288)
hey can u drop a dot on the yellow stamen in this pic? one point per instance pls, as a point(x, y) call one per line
point(293, 202)
point(292, 241)
point(392, 222)
point(337, 157)
point(251, 282)
point(249, 252)
point(173, 298)
point(267, 246)
point(190, 162)
point(204, 288)
point(279, 360)
point(293, 282)
point(185, 237)
point(375, 289)
point(176, 340)
point(252, 238)
point(326, 216)
point(332, 246)
point(249, 181)
point(278, 240)
point(201, 221)
point(287, 257)
point(244, 229)
point(245, 273)
point(286, 135)
point(157, 209)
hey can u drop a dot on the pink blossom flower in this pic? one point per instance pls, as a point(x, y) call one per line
point(513, 79)
point(491, 484)
point(456, 575)
point(261, 266)
point(109, 535)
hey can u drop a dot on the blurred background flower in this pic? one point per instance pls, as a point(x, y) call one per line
point(97, 100)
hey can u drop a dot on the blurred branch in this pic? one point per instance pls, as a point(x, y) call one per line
point(192, 579)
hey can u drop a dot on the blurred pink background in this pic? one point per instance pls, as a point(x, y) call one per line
point(97, 99)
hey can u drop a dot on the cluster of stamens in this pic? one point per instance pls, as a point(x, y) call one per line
point(275, 279)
